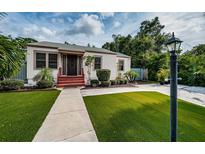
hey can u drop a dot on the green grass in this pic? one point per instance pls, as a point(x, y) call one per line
point(143, 116)
point(22, 113)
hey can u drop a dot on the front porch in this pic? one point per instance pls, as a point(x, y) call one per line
point(70, 71)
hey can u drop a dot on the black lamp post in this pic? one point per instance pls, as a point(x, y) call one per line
point(173, 45)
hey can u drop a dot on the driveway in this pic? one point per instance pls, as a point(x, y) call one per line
point(195, 95)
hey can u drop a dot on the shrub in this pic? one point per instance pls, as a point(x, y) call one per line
point(45, 74)
point(162, 74)
point(113, 82)
point(94, 83)
point(125, 81)
point(44, 84)
point(118, 81)
point(105, 83)
point(131, 75)
point(44, 78)
point(199, 79)
point(121, 81)
point(11, 84)
point(103, 74)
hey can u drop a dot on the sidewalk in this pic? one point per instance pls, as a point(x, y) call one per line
point(67, 120)
point(190, 96)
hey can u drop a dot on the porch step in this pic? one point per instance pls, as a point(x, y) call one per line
point(69, 77)
point(70, 81)
point(70, 85)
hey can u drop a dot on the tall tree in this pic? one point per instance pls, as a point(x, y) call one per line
point(143, 46)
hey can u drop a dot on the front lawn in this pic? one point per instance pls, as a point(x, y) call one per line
point(143, 116)
point(22, 113)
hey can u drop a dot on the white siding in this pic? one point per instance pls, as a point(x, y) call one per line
point(31, 71)
point(109, 61)
point(127, 64)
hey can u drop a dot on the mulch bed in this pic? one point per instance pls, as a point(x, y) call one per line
point(111, 86)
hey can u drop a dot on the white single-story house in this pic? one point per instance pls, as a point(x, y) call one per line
point(67, 62)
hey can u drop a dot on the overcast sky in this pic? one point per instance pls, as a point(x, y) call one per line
point(97, 28)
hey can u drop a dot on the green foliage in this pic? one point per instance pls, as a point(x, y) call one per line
point(125, 81)
point(44, 78)
point(89, 60)
point(12, 55)
point(88, 63)
point(44, 84)
point(162, 74)
point(103, 74)
point(199, 79)
point(113, 82)
point(192, 66)
point(94, 83)
point(45, 74)
point(156, 61)
point(145, 48)
point(2, 15)
point(11, 84)
point(121, 81)
point(131, 75)
point(105, 83)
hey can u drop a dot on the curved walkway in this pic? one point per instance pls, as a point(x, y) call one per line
point(67, 120)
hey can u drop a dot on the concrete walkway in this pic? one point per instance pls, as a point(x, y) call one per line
point(184, 94)
point(67, 120)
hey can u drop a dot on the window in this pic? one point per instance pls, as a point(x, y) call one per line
point(98, 61)
point(121, 65)
point(40, 60)
point(52, 60)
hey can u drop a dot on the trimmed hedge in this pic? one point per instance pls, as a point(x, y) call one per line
point(121, 81)
point(105, 83)
point(11, 84)
point(113, 82)
point(44, 84)
point(94, 83)
point(125, 81)
point(103, 74)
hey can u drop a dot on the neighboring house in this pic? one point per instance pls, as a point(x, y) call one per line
point(67, 62)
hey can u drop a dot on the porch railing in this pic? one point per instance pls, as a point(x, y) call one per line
point(82, 72)
point(59, 72)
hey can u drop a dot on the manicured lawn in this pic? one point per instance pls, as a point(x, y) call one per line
point(22, 113)
point(143, 116)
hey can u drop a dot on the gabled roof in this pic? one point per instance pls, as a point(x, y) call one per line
point(72, 47)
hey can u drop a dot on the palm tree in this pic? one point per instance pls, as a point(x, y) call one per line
point(11, 57)
point(2, 15)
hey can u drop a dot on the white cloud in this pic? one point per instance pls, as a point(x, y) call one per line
point(116, 24)
point(88, 25)
point(189, 27)
point(107, 14)
point(38, 32)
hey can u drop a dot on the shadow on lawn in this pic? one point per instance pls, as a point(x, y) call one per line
point(148, 123)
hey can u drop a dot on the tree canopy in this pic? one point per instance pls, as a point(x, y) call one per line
point(145, 48)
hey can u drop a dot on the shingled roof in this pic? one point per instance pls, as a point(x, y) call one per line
point(73, 47)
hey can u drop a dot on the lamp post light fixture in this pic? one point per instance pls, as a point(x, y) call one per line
point(173, 45)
